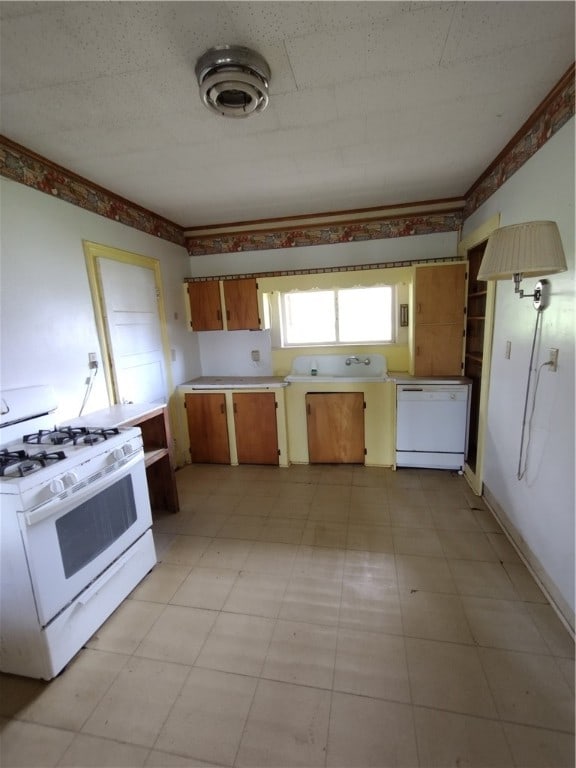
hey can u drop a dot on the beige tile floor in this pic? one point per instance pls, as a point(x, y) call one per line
point(314, 616)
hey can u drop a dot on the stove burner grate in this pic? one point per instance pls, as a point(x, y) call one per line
point(74, 435)
point(20, 463)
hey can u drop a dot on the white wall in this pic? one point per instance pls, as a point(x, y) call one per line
point(225, 353)
point(539, 509)
point(48, 325)
point(221, 351)
point(440, 245)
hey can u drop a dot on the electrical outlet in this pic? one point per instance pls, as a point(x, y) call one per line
point(255, 355)
point(553, 360)
point(92, 360)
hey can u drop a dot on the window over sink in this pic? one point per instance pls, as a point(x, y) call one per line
point(334, 316)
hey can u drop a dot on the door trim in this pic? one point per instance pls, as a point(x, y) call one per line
point(94, 251)
point(474, 238)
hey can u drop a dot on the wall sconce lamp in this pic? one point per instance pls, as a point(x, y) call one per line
point(528, 249)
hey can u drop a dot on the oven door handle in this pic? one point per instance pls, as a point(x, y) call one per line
point(110, 572)
point(106, 477)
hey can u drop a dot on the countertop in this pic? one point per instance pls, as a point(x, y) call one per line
point(400, 377)
point(116, 415)
point(235, 382)
point(271, 382)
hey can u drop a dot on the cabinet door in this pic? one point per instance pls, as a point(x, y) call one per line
point(335, 427)
point(439, 294)
point(208, 428)
point(438, 350)
point(205, 306)
point(255, 423)
point(241, 299)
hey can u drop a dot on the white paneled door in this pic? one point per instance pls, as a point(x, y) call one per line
point(131, 313)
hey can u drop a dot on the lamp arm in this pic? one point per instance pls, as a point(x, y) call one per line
point(541, 293)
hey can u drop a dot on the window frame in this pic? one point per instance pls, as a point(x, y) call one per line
point(281, 315)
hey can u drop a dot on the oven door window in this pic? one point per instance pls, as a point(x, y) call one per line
point(88, 530)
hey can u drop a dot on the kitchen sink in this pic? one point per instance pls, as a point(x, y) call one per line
point(338, 368)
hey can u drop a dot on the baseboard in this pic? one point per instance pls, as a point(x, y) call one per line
point(558, 603)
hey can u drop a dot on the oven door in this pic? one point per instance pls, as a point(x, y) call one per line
point(70, 542)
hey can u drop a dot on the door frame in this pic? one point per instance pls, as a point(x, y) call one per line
point(474, 238)
point(95, 251)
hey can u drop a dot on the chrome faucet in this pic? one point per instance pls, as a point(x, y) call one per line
point(356, 360)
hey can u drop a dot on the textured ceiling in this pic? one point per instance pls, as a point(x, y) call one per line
point(372, 103)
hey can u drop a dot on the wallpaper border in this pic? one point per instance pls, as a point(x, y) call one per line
point(546, 120)
point(319, 234)
point(26, 167)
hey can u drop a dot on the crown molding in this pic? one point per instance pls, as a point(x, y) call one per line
point(358, 215)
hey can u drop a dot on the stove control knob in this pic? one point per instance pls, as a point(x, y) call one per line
point(70, 478)
point(127, 448)
point(57, 485)
point(118, 453)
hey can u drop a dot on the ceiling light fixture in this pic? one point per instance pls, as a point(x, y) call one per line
point(233, 80)
point(531, 248)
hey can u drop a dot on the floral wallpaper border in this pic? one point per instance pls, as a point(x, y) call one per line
point(26, 167)
point(553, 113)
point(401, 226)
point(22, 165)
point(322, 270)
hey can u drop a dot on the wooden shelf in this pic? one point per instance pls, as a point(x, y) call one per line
point(476, 358)
point(472, 294)
point(158, 457)
point(476, 317)
point(155, 427)
point(151, 457)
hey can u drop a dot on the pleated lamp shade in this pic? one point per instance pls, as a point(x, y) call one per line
point(532, 248)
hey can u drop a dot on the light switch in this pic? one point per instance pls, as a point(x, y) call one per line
point(255, 355)
point(508, 350)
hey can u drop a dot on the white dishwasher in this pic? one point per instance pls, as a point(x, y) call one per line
point(431, 425)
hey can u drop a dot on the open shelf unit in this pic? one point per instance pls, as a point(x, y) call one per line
point(155, 428)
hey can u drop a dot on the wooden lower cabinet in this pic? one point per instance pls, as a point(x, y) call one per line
point(335, 427)
point(255, 425)
point(208, 428)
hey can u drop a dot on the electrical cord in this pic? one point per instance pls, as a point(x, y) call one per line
point(522, 470)
point(89, 383)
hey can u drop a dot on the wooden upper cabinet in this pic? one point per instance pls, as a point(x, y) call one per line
point(438, 350)
point(240, 305)
point(241, 300)
point(439, 303)
point(205, 306)
point(439, 295)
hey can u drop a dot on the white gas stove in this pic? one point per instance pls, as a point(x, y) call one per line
point(75, 526)
point(56, 462)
